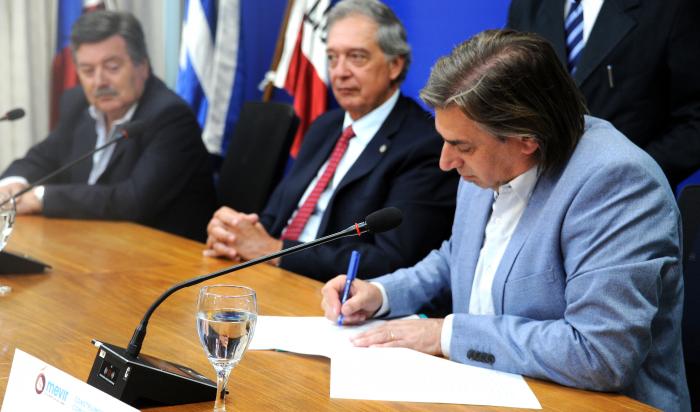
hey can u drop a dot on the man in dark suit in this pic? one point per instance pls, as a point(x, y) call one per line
point(638, 69)
point(161, 178)
point(392, 160)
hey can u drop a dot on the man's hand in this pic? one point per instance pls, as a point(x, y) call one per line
point(422, 335)
point(365, 300)
point(26, 204)
point(238, 235)
point(13, 188)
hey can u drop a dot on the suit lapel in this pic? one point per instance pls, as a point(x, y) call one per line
point(308, 168)
point(468, 253)
point(377, 148)
point(550, 24)
point(527, 223)
point(612, 24)
point(85, 139)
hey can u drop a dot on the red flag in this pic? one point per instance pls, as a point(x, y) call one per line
point(63, 73)
point(302, 69)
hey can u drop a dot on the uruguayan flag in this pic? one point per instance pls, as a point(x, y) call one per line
point(208, 67)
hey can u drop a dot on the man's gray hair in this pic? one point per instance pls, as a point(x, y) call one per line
point(97, 26)
point(391, 35)
point(512, 84)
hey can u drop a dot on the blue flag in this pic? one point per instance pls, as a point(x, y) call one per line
point(208, 78)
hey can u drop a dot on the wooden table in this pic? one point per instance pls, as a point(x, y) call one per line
point(106, 274)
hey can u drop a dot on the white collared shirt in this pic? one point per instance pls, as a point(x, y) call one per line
point(100, 159)
point(507, 208)
point(591, 8)
point(365, 128)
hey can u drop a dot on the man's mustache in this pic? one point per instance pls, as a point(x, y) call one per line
point(105, 91)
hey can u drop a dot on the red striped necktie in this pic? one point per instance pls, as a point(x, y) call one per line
point(297, 225)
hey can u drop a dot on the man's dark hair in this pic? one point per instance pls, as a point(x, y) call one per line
point(512, 84)
point(100, 25)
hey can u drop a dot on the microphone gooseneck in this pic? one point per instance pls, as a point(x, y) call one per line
point(376, 222)
point(124, 131)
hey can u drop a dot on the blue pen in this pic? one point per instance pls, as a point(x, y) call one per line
point(352, 272)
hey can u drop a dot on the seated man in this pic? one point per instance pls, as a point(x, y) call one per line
point(391, 160)
point(161, 178)
point(564, 259)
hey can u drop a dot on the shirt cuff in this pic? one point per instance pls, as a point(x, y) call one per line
point(384, 309)
point(39, 193)
point(446, 335)
point(13, 179)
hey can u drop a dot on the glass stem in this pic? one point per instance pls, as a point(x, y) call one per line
point(222, 375)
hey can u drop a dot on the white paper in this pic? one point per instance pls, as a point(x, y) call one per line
point(389, 374)
point(309, 335)
point(37, 386)
point(399, 374)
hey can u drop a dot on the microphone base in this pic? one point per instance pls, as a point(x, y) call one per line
point(147, 381)
point(14, 264)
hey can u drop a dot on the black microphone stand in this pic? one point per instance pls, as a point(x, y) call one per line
point(142, 380)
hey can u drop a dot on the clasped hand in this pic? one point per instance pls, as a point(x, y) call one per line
point(238, 236)
point(419, 334)
point(26, 204)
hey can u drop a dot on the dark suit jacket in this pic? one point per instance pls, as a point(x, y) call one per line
point(652, 49)
point(405, 175)
point(161, 178)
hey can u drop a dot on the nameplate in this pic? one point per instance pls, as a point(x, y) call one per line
point(37, 386)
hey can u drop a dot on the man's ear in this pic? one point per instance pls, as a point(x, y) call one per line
point(528, 145)
point(396, 66)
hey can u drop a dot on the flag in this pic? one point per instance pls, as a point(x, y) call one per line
point(302, 69)
point(208, 67)
point(63, 73)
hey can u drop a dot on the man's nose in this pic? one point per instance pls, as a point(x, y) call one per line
point(447, 158)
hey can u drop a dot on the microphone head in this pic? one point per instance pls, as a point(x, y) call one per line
point(384, 219)
point(133, 129)
point(14, 114)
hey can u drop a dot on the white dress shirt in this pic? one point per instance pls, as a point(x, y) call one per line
point(507, 208)
point(365, 128)
point(591, 8)
point(100, 159)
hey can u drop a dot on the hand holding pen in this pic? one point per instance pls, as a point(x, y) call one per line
point(350, 276)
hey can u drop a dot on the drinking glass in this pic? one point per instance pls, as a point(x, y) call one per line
point(226, 317)
point(7, 217)
point(7, 222)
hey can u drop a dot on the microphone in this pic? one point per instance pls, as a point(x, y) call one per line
point(123, 131)
point(13, 114)
point(135, 379)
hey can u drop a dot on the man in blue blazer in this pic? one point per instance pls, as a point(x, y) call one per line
point(564, 259)
point(391, 161)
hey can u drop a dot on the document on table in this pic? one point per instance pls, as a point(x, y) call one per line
point(400, 374)
point(310, 335)
point(390, 374)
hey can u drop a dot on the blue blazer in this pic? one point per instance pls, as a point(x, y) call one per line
point(589, 291)
point(399, 167)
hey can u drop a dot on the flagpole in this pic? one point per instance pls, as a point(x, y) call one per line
point(269, 88)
